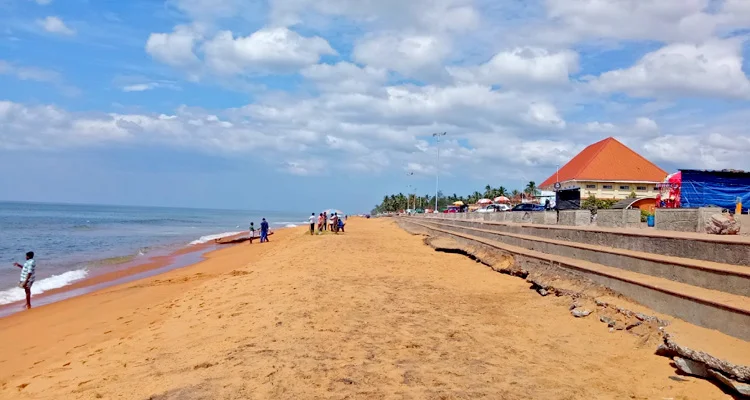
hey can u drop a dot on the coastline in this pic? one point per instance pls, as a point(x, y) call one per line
point(385, 316)
point(108, 275)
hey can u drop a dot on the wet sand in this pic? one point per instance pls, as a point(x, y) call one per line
point(370, 314)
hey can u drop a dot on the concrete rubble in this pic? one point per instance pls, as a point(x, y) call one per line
point(691, 367)
point(722, 224)
point(580, 313)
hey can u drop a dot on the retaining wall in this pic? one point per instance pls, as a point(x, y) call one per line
point(575, 217)
point(619, 218)
point(677, 219)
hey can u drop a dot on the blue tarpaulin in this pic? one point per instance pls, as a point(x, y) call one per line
point(714, 188)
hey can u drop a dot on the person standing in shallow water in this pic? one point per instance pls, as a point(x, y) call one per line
point(28, 275)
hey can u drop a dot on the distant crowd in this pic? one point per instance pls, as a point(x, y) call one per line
point(325, 222)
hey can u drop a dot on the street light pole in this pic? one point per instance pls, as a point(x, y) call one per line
point(437, 167)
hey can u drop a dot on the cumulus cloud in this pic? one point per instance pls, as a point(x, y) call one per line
point(713, 69)
point(409, 55)
point(522, 65)
point(425, 15)
point(176, 48)
point(345, 76)
point(266, 50)
point(56, 25)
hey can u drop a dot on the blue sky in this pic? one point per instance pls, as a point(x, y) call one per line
point(302, 104)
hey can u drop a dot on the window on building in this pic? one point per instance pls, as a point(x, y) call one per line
point(641, 188)
point(607, 187)
point(590, 186)
point(625, 187)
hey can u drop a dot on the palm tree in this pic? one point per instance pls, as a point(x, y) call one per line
point(531, 189)
point(488, 191)
point(501, 191)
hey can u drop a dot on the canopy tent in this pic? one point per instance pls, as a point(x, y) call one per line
point(502, 199)
point(458, 203)
point(484, 201)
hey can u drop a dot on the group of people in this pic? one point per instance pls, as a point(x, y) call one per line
point(263, 231)
point(325, 222)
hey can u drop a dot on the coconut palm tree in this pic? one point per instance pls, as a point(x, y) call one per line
point(531, 189)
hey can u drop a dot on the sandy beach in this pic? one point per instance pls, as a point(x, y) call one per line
point(370, 314)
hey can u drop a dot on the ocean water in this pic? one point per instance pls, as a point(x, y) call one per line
point(72, 241)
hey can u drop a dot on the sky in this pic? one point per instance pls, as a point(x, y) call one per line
point(309, 104)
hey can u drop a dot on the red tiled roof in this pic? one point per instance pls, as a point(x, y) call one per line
point(607, 160)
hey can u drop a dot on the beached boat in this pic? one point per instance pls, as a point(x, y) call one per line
point(237, 239)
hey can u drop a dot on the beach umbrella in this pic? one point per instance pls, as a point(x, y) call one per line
point(502, 199)
point(458, 203)
point(332, 211)
point(484, 201)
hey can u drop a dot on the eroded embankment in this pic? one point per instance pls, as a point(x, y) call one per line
point(591, 300)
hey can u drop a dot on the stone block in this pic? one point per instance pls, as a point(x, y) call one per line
point(677, 219)
point(620, 218)
point(544, 218)
point(575, 217)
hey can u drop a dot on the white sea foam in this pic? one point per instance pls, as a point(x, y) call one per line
point(208, 238)
point(43, 285)
point(290, 226)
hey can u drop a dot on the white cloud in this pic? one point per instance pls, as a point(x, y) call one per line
point(409, 55)
point(266, 50)
point(42, 2)
point(142, 87)
point(631, 19)
point(345, 76)
point(425, 15)
point(56, 25)
point(521, 66)
point(29, 73)
point(304, 167)
point(176, 48)
point(544, 115)
point(712, 69)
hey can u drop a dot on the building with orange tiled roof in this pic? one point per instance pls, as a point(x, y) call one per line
point(608, 170)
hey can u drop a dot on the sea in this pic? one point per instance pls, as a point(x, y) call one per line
point(71, 242)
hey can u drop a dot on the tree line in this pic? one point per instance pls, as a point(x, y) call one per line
point(399, 202)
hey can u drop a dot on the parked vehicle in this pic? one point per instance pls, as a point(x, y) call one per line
point(494, 208)
point(451, 209)
point(528, 207)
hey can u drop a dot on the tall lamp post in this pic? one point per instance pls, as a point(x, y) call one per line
point(437, 166)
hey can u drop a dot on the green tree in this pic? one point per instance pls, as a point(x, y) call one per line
point(488, 191)
point(531, 189)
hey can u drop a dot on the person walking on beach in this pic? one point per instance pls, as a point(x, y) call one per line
point(264, 231)
point(312, 223)
point(320, 223)
point(325, 220)
point(252, 232)
point(28, 275)
point(341, 224)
